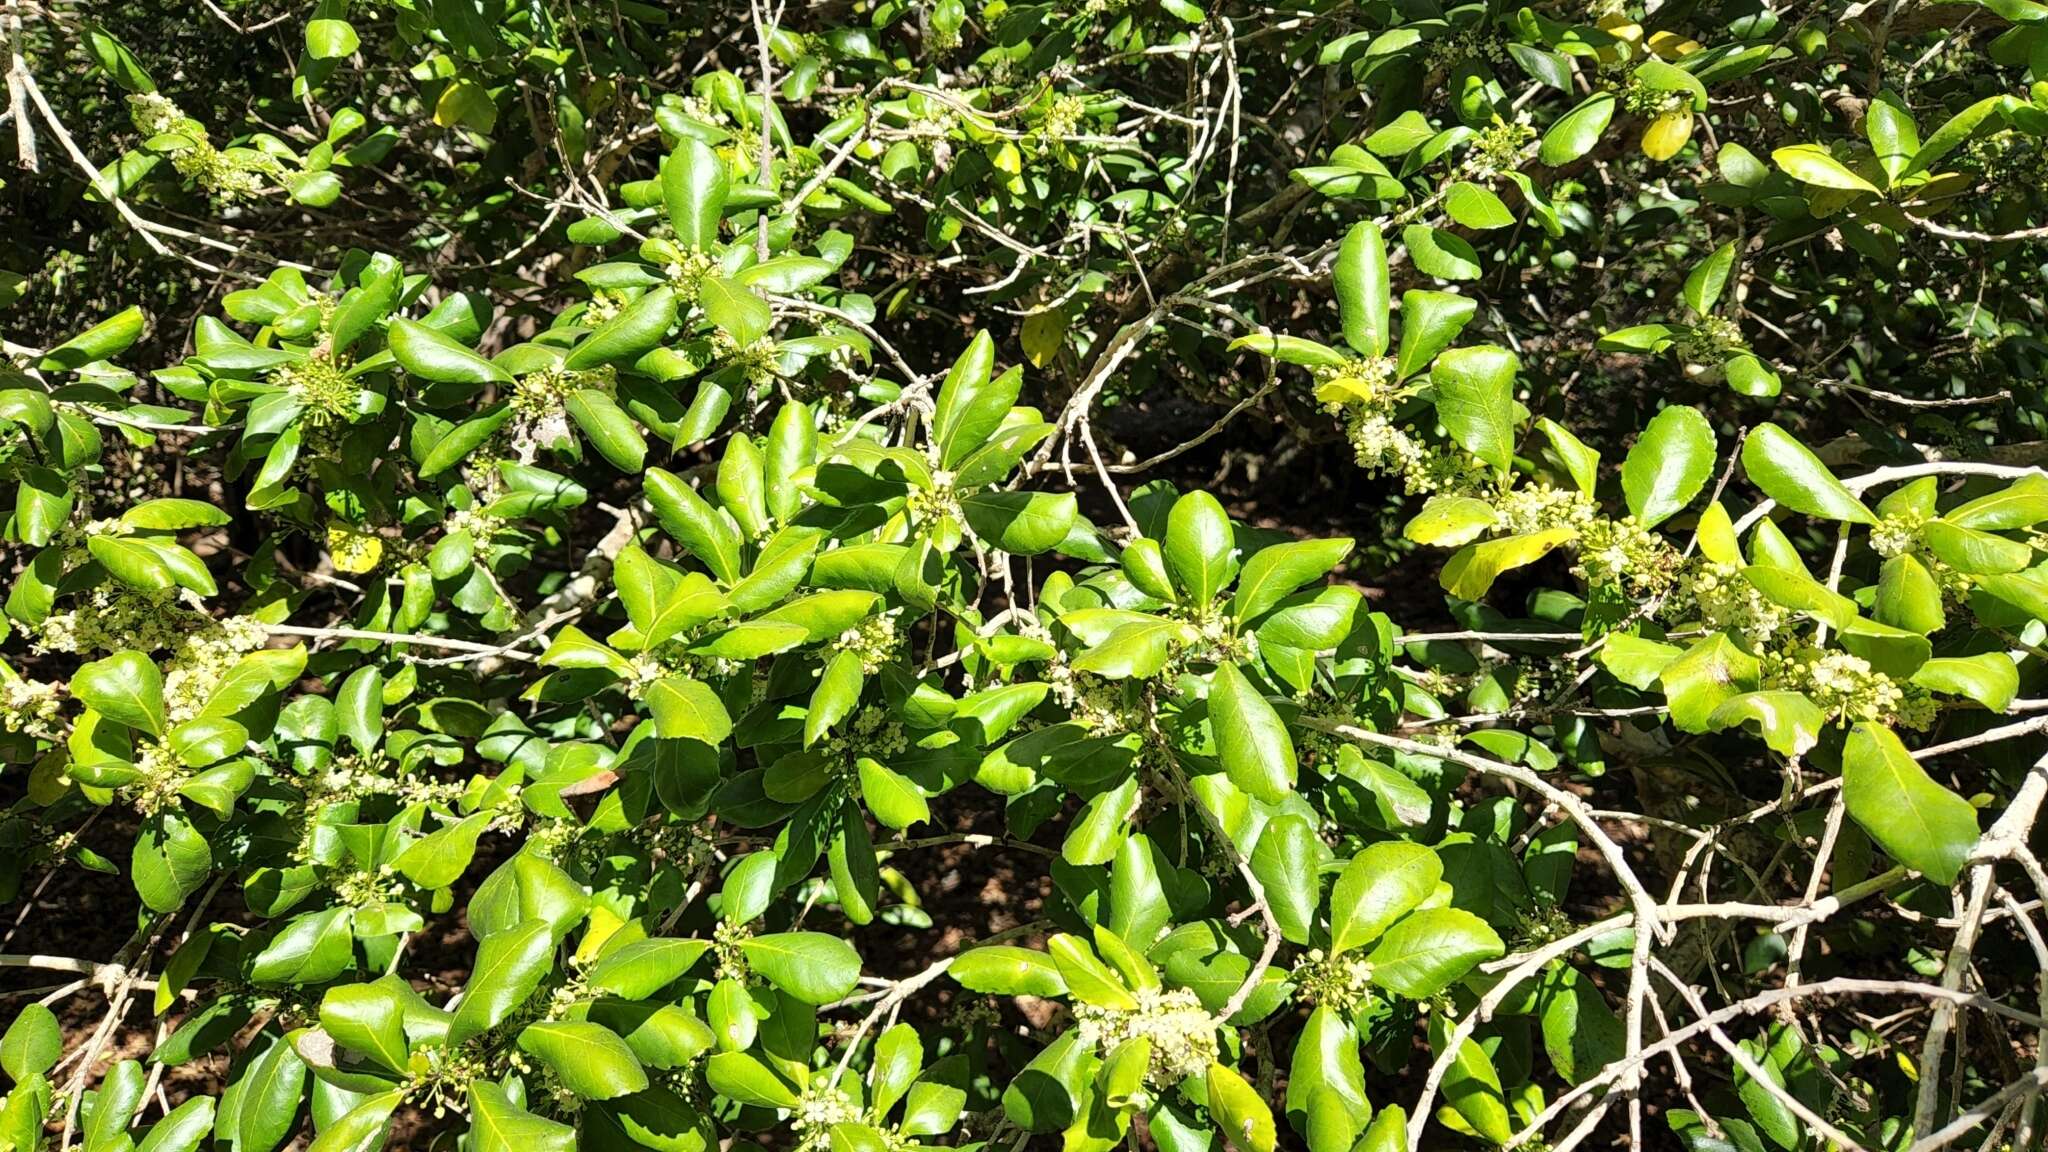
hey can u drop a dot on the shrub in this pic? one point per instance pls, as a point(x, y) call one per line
point(582, 523)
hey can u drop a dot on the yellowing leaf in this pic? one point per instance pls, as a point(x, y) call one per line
point(1043, 334)
point(1812, 164)
point(354, 551)
point(1472, 571)
point(1672, 46)
point(1667, 134)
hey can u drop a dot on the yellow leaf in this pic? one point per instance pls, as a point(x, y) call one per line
point(354, 551)
point(466, 104)
point(1621, 28)
point(1044, 333)
point(1667, 134)
point(1672, 46)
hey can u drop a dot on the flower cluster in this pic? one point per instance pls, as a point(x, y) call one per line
point(726, 939)
point(1344, 981)
point(1723, 601)
point(1181, 1031)
point(1468, 45)
point(1709, 341)
point(1641, 99)
point(874, 640)
point(30, 706)
point(1383, 447)
point(201, 658)
point(322, 387)
point(821, 1107)
point(1541, 507)
point(113, 618)
point(1848, 689)
point(1624, 552)
point(1499, 147)
point(1091, 701)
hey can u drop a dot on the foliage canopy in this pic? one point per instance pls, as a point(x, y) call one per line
point(1455, 576)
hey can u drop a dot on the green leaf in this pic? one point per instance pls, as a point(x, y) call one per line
point(1275, 571)
point(1972, 552)
point(1989, 678)
point(640, 969)
point(172, 513)
point(1709, 673)
point(1580, 460)
point(1791, 474)
point(104, 340)
point(589, 1059)
point(330, 39)
point(499, 1125)
point(811, 966)
point(740, 1077)
point(1581, 1032)
point(610, 430)
point(972, 401)
point(1003, 970)
point(895, 800)
point(1200, 549)
point(638, 327)
point(1475, 206)
point(509, 966)
point(1363, 297)
point(1429, 322)
point(1575, 133)
point(125, 687)
point(1088, 979)
point(1475, 400)
point(1444, 255)
point(1790, 588)
point(1908, 596)
point(1432, 949)
point(182, 1129)
point(363, 1128)
point(1244, 1117)
point(1790, 723)
point(1915, 820)
point(1957, 130)
point(312, 949)
point(272, 1087)
point(441, 857)
point(1471, 1086)
point(1046, 1095)
point(1290, 350)
point(1021, 523)
point(1326, 1097)
point(694, 188)
point(2021, 505)
point(1251, 740)
point(368, 1019)
point(170, 861)
point(1705, 283)
point(1383, 883)
point(1450, 521)
point(132, 561)
point(735, 308)
point(360, 704)
point(32, 1044)
point(1893, 136)
point(1285, 862)
point(686, 709)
